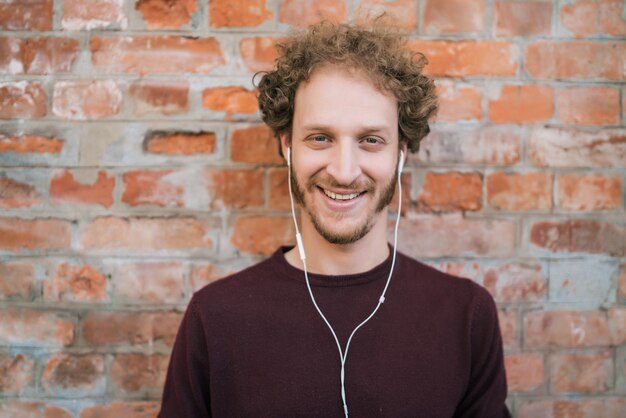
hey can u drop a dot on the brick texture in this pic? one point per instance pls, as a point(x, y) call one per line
point(135, 169)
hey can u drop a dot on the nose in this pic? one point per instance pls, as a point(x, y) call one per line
point(344, 165)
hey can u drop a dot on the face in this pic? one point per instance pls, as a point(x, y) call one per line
point(344, 153)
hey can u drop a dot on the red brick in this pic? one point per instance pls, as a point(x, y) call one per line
point(164, 97)
point(492, 145)
point(594, 17)
point(579, 235)
point(17, 235)
point(520, 191)
point(258, 54)
point(508, 328)
point(516, 282)
point(71, 283)
point(581, 372)
point(15, 194)
point(143, 187)
point(16, 374)
point(80, 374)
point(145, 234)
point(156, 54)
point(16, 408)
point(522, 104)
point(28, 144)
point(522, 18)
point(262, 235)
point(617, 325)
point(452, 235)
point(237, 189)
point(65, 188)
point(458, 103)
point(179, 143)
point(255, 145)
point(575, 60)
point(138, 373)
point(583, 408)
point(92, 14)
point(305, 12)
point(279, 190)
point(16, 280)
point(86, 99)
point(26, 15)
point(230, 100)
point(238, 13)
point(589, 192)
point(41, 55)
point(574, 148)
point(451, 191)
point(621, 290)
point(166, 14)
point(588, 106)
point(524, 371)
point(149, 282)
point(126, 409)
point(203, 274)
point(22, 99)
point(569, 329)
point(468, 58)
point(471, 270)
point(454, 16)
point(20, 326)
point(400, 14)
point(130, 328)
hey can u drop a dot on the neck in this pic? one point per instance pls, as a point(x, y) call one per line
point(325, 258)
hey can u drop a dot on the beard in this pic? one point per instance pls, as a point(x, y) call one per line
point(367, 186)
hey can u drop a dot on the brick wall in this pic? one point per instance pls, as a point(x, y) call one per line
point(134, 170)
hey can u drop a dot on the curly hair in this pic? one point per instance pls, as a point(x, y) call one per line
point(378, 52)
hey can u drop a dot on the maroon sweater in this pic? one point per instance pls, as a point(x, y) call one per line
point(253, 345)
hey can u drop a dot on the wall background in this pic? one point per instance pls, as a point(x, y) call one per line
point(134, 170)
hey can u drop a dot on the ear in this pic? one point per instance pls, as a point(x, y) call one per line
point(284, 144)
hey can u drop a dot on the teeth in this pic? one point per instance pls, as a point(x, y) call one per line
point(336, 196)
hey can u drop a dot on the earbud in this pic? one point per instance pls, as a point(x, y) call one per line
point(288, 156)
point(401, 162)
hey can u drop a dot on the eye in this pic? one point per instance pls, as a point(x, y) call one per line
point(372, 141)
point(319, 138)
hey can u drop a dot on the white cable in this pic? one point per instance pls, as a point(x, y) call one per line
point(344, 355)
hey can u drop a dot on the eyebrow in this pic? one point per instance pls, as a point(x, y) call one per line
point(364, 129)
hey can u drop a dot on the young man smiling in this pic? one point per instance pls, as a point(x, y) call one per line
point(341, 324)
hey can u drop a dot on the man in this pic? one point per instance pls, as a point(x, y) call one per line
point(338, 325)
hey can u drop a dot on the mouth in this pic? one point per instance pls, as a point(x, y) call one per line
point(340, 196)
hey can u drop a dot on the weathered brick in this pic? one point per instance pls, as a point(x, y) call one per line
point(594, 17)
point(395, 13)
point(570, 329)
point(522, 104)
point(179, 143)
point(522, 18)
point(74, 375)
point(458, 103)
point(573, 148)
point(581, 372)
point(92, 14)
point(126, 409)
point(230, 100)
point(238, 13)
point(76, 283)
point(166, 14)
point(39, 55)
point(29, 144)
point(236, 189)
point(16, 280)
point(143, 187)
point(155, 54)
point(575, 60)
point(451, 191)
point(524, 371)
point(304, 12)
point(164, 97)
point(585, 408)
point(454, 16)
point(16, 373)
point(85, 99)
point(130, 328)
point(468, 58)
point(621, 289)
point(258, 54)
point(26, 15)
point(519, 191)
point(205, 273)
point(145, 234)
point(78, 187)
point(262, 235)
point(279, 190)
point(139, 373)
point(149, 282)
point(588, 106)
point(617, 325)
point(589, 192)
point(15, 194)
point(18, 235)
point(16, 408)
point(22, 99)
point(579, 235)
point(452, 235)
point(516, 282)
point(570, 282)
point(508, 328)
point(21, 326)
point(255, 145)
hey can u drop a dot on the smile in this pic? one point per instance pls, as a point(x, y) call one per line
point(337, 196)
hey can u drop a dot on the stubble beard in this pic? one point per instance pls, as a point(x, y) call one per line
point(360, 231)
